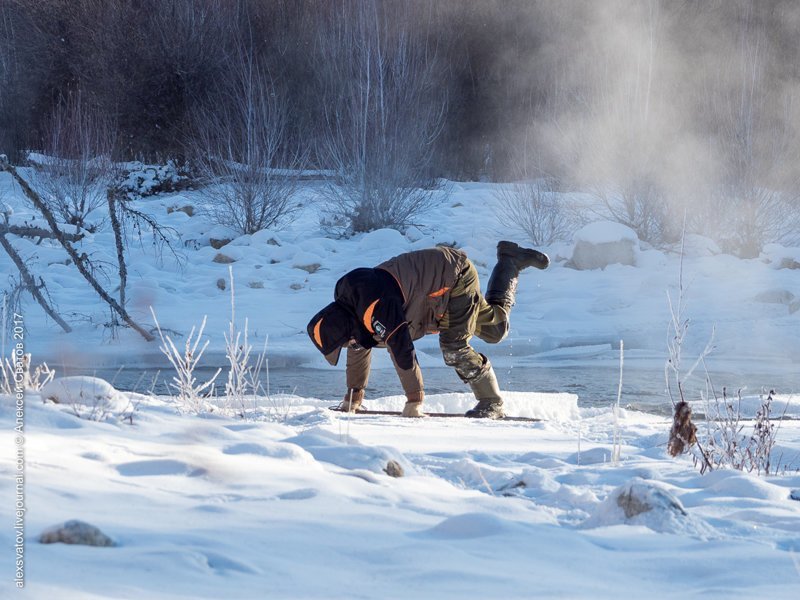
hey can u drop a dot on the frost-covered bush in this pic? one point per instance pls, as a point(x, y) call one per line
point(728, 444)
point(744, 221)
point(723, 442)
point(637, 202)
point(138, 180)
point(191, 395)
point(14, 372)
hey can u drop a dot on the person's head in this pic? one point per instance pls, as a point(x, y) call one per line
point(334, 328)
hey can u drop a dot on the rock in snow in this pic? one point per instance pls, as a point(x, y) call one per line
point(650, 504)
point(780, 257)
point(76, 532)
point(604, 243)
point(393, 469)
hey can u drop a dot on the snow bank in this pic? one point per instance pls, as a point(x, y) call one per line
point(548, 407)
point(748, 406)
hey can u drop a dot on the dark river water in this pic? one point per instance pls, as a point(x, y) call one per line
point(643, 388)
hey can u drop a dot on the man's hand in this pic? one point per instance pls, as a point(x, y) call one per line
point(413, 407)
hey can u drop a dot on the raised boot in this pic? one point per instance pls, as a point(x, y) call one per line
point(487, 392)
point(522, 257)
point(511, 259)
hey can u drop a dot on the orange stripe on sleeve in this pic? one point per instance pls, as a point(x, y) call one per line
point(368, 316)
point(440, 292)
point(317, 333)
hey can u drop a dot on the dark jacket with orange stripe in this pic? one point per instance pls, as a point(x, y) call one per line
point(396, 303)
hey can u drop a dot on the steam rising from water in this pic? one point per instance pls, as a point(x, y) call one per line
point(687, 105)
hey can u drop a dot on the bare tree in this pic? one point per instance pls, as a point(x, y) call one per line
point(383, 113)
point(73, 175)
point(240, 148)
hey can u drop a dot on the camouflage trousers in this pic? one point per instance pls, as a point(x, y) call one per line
point(468, 314)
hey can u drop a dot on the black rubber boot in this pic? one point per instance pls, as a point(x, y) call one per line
point(502, 287)
point(487, 392)
point(522, 257)
point(511, 259)
point(486, 409)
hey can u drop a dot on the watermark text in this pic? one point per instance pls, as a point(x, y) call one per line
point(18, 356)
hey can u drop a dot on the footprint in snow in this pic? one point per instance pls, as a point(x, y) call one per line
point(301, 494)
point(149, 468)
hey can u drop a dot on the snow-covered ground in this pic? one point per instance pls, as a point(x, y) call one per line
point(296, 504)
point(293, 502)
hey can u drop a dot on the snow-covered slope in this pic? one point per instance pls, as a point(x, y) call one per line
point(283, 277)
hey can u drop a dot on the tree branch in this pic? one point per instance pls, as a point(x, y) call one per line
point(30, 283)
point(73, 254)
point(115, 225)
point(33, 231)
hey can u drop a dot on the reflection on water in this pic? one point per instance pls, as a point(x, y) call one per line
point(642, 388)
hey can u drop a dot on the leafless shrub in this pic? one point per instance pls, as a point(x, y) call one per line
point(726, 443)
point(76, 169)
point(639, 203)
point(14, 373)
point(191, 395)
point(240, 149)
point(533, 209)
point(383, 112)
point(744, 217)
point(244, 375)
point(758, 188)
point(682, 437)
